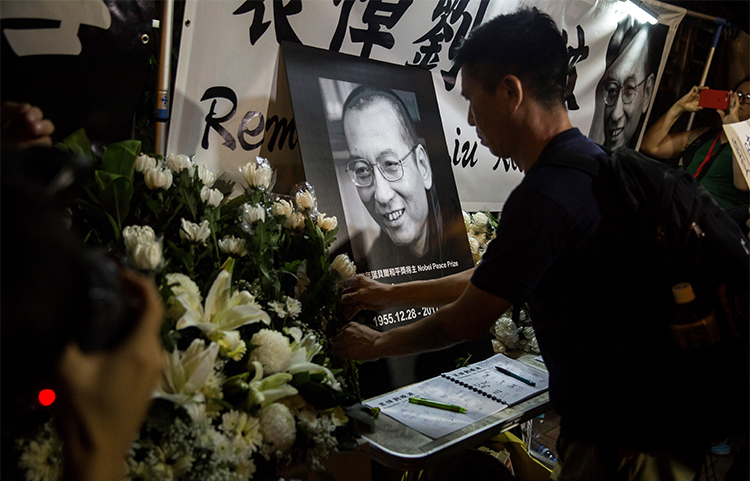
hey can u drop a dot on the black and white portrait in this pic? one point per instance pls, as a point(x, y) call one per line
point(628, 85)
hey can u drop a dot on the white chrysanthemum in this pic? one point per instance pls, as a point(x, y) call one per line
point(505, 331)
point(179, 162)
point(210, 196)
point(146, 257)
point(479, 219)
point(295, 221)
point(258, 174)
point(305, 200)
point(42, 457)
point(212, 390)
point(238, 423)
point(158, 178)
point(206, 176)
point(184, 286)
point(279, 308)
point(252, 213)
point(528, 332)
point(233, 246)
point(144, 163)
point(344, 266)
point(281, 208)
point(273, 351)
point(134, 235)
point(278, 427)
point(467, 219)
point(327, 224)
point(293, 307)
point(498, 347)
point(192, 232)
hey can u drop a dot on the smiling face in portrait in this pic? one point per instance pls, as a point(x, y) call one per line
point(626, 88)
point(400, 207)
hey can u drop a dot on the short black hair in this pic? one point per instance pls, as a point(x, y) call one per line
point(364, 95)
point(526, 44)
point(627, 29)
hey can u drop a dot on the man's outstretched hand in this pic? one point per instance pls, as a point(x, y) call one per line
point(363, 294)
point(356, 341)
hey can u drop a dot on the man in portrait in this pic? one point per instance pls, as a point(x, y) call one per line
point(391, 170)
point(625, 90)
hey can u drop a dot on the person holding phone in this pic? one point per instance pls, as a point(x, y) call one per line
point(705, 152)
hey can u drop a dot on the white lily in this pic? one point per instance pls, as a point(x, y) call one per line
point(223, 311)
point(265, 391)
point(304, 349)
point(185, 374)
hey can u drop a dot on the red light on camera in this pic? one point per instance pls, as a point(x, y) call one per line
point(46, 397)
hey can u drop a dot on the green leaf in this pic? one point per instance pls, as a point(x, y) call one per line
point(116, 191)
point(77, 143)
point(120, 158)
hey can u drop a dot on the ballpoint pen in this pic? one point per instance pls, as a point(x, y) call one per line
point(514, 375)
point(435, 404)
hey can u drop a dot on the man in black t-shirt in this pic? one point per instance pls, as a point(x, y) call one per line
point(565, 244)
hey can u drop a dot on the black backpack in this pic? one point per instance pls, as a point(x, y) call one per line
point(690, 238)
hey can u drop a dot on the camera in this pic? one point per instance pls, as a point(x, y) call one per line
point(55, 289)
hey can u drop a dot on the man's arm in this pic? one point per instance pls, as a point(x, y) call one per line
point(468, 317)
point(361, 293)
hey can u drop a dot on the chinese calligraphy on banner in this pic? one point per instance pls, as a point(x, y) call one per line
point(229, 63)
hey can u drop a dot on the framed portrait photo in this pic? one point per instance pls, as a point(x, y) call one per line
point(373, 147)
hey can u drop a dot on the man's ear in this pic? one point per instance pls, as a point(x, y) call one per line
point(511, 92)
point(647, 91)
point(424, 166)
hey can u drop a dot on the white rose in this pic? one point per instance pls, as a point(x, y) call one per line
point(467, 219)
point(133, 235)
point(206, 176)
point(233, 246)
point(295, 221)
point(144, 163)
point(344, 266)
point(158, 178)
point(258, 174)
point(282, 208)
point(327, 224)
point(252, 213)
point(146, 257)
point(179, 162)
point(211, 197)
point(305, 200)
point(196, 233)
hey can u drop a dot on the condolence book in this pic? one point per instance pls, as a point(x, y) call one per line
point(481, 388)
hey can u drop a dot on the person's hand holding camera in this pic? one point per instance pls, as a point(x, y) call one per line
point(106, 394)
point(689, 102)
point(732, 114)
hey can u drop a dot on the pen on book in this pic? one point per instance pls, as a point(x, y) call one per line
point(514, 375)
point(435, 404)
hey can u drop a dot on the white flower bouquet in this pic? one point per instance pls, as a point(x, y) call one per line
point(251, 301)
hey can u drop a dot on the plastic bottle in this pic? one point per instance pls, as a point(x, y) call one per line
point(691, 327)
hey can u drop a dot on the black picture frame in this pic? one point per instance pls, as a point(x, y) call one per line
point(310, 72)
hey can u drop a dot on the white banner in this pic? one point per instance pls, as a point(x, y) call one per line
point(224, 109)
